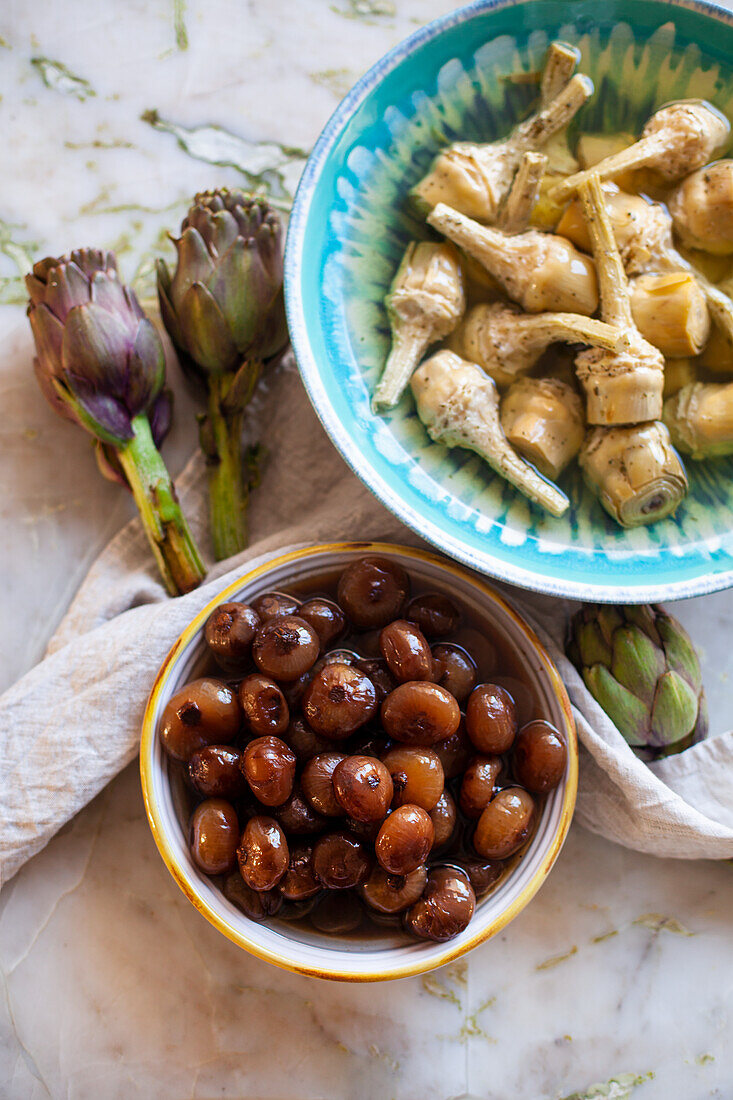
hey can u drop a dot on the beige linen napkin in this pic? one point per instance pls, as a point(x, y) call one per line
point(71, 723)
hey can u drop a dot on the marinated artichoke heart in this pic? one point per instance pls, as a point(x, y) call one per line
point(700, 419)
point(670, 312)
point(641, 667)
point(622, 387)
point(678, 373)
point(641, 228)
point(702, 209)
point(625, 386)
point(459, 406)
point(643, 232)
point(543, 420)
point(538, 270)
point(676, 140)
point(474, 179)
point(717, 355)
point(507, 343)
point(425, 303)
point(634, 472)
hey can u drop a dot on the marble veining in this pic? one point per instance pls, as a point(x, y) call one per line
point(612, 983)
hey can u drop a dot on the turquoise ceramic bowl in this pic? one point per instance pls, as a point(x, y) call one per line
point(350, 225)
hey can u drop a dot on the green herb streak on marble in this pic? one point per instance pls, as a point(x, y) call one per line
point(179, 24)
point(268, 167)
point(472, 1029)
point(617, 1088)
point(55, 75)
point(605, 936)
point(369, 11)
point(656, 922)
point(20, 253)
point(458, 972)
point(704, 1059)
point(99, 144)
point(101, 205)
point(436, 988)
point(555, 960)
point(4, 44)
point(337, 81)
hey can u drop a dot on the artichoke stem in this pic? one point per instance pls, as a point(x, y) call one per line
point(155, 496)
point(228, 492)
point(408, 347)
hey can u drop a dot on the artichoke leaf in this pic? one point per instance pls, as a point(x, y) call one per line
point(637, 663)
point(644, 616)
point(681, 655)
point(205, 331)
point(609, 619)
point(627, 713)
point(95, 348)
point(593, 647)
point(674, 712)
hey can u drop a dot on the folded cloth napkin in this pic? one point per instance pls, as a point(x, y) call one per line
point(73, 722)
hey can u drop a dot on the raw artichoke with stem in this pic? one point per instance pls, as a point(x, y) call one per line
point(100, 364)
point(223, 309)
point(641, 667)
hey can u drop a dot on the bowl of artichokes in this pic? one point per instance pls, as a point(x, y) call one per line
point(507, 281)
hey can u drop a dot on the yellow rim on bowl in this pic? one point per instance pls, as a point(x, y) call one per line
point(417, 965)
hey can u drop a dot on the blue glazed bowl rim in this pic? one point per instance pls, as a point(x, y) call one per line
point(485, 562)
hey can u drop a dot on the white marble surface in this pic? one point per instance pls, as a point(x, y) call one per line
point(114, 986)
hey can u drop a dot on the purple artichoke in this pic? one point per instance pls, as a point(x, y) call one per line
point(100, 360)
point(224, 303)
point(100, 364)
point(224, 311)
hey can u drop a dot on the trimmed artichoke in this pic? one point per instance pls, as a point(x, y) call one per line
point(639, 664)
point(224, 311)
point(100, 364)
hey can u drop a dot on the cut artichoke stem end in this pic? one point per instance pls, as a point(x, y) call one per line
point(560, 64)
point(155, 496)
point(634, 471)
point(523, 194)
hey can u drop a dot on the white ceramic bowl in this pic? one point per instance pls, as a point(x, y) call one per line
point(310, 952)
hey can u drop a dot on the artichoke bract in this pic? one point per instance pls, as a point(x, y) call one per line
point(224, 311)
point(640, 665)
point(100, 363)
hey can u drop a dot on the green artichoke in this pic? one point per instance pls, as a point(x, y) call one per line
point(224, 311)
point(100, 364)
point(639, 664)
